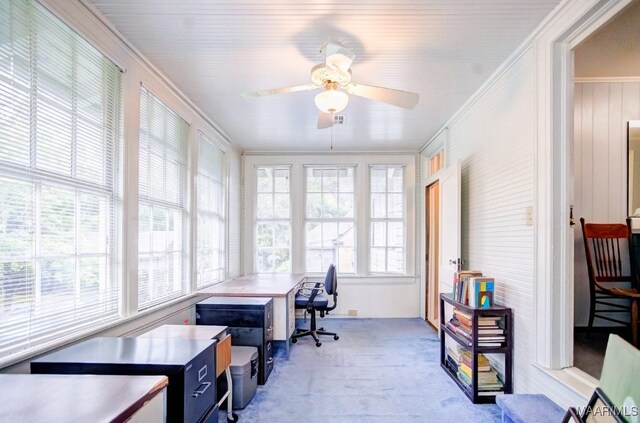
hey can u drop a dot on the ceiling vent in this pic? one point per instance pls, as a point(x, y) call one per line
point(338, 119)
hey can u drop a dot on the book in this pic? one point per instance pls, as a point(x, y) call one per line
point(490, 331)
point(481, 292)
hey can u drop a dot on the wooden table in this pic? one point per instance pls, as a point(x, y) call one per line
point(223, 350)
point(282, 287)
point(82, 398)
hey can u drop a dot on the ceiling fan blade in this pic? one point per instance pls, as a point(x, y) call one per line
point(325, 120)
point(283, 90)
point(398, 98)
point(337, 56)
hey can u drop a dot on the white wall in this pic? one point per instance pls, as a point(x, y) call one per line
point(369, 295)
point(602, 110)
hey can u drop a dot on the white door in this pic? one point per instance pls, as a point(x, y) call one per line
point(450, 226)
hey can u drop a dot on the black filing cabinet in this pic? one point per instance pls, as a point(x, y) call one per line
point(250, 322)
point(188, 363)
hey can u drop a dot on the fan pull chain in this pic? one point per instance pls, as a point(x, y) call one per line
point(331, 146)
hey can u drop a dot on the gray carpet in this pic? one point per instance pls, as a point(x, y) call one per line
point(381, 370)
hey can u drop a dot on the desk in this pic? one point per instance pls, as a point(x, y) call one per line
point(223, 351)
point(82, 398)
point(281, 287)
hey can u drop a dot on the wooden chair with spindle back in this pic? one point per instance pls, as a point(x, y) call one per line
point(603, 250)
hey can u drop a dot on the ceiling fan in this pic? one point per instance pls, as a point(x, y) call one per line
point(334, 77)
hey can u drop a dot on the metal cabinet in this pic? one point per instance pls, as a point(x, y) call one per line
point(249, 321)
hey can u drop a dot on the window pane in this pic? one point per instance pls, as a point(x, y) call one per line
point(265, 235)
point(345, 209)
point(281, 178)
point(281, 206)
point(282, 235)
point(396, 260)
point(378, 234)
point(378, 180)
point(345, 180)
point(329, 206)
point(378, 206)
point(377, 259)
point(396, 176)
point(330, 180)
point(396, 234)
point(314, 180)
point(314, 206)
point(395, 206)
point(264, 206)
point(264, 179)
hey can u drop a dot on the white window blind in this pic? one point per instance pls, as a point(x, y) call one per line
point(330, 218)
point(60, 128)
point(387, 230)
point(273, 219)
point(210, 200)
point(162, 188)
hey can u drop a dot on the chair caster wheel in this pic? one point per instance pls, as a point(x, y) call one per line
point(294, 340)
point(318, 344)
point(233, 418)
point(336, 337)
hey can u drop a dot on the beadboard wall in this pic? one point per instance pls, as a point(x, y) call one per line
point(602, 110)
point(494, 140)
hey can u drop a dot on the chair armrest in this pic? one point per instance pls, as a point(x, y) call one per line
point(311, 284)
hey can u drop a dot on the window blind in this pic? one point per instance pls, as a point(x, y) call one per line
point(162, 188)
point(211, 225)
point(60, 129)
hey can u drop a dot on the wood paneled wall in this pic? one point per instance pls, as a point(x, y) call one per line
point(602, 110)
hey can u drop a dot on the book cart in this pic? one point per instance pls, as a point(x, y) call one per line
point(472, 345)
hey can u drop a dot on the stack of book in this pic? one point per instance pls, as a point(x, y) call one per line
point(490, 332)
point(488, 381)
point(472, 289)
point(461, 285)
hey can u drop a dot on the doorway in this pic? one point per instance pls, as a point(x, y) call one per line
point(606, 95)
point(432, 248)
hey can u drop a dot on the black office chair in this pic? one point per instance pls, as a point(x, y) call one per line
point(312, 300)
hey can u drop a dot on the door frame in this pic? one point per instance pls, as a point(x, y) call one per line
point(554, 178)
point(426, 240)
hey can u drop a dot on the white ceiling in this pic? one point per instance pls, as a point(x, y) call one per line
point(213, 50)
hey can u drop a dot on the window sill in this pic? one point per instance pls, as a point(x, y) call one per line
point(573, 378)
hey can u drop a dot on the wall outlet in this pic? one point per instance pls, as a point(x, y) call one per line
point(353, 312)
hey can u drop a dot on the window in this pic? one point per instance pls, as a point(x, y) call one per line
point(436, 162)
point(162, 188)
point(273, 219)
point(387, 246)
point(330, 218)
point(60, 126)
point(210, 199)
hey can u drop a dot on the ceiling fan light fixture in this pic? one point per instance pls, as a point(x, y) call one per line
point(332, 100)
